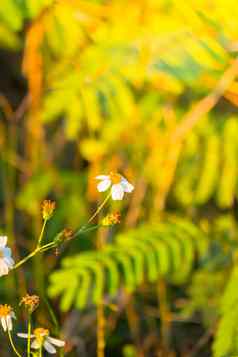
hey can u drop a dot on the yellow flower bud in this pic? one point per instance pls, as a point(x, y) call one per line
point(48, 208)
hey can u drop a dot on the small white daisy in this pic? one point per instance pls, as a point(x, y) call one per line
point(42, 338)
point(6, 261)
point(6, 316)
point(119, 185)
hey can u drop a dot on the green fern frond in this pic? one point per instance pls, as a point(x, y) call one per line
point(141, 255)
point(208, 166)
point(226, 340)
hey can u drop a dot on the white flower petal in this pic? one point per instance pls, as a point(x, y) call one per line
point(3, 241)
point(128, 187)
point(9, 322)
point(3, 268)
point(7, 252)
point(1, 272)
point(13, 315)
point(4, 323)
point(117, 192)
point(49, 348)
point(24, 335)
point(102, 177)
point(9, 261)
point(56, 341)
point(104, 185)
point(35, 344)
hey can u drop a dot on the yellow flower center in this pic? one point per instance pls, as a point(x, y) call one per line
point(40, 334)
point(115, 178)
point(5, 310)
point(1, 254)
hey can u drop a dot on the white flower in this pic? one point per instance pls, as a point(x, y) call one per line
point(6, 261)
point(119, 185)
point(42, 338)
point(6, 316)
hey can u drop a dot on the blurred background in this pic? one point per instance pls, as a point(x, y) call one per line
point(147, 88)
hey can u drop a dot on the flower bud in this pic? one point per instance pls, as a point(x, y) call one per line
point(48, 208)
point(30, 302)
point(64, 235)
point(111, 219)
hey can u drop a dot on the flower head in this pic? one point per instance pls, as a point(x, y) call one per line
point(6, 316)
point(6, 261)
point(119, 185)
point(111, 219)
point(30, 302)
point(41, 338)
point(48, 208)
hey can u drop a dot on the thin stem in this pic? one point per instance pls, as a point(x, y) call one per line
point(29, 336)
point(55, 321)
point(52, 315)
point(99, 209)
point(37, 249)
point(41, 233)
point(43, 248)
point(100, 330)
point(86, 230)
point(50, 245)
point(46, 247)
point(134, 324)
point(164, 312)
point(101, 321)
point(29, 256)
point(40, 351)
point(12, 343)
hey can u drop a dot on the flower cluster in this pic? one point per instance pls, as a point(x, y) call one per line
point(111, 219)
point(40, 338)
point(40, 335)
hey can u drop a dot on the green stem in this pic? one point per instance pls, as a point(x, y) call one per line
point(52, 314)
point(37, 249)
point(82, 231)
point(84, 228)
point(99, 209)
point(41, 233)
point(55, 322)
point(29, 336)
point(12, 343)
point(29, 256)
point(40, 351)
point(50, 245)
point(43, 248)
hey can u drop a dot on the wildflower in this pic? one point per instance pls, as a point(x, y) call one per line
point(6, 261)
point(48, 208)
point(111, 219)
point(6, 316)
point(31, 302)
point(119, 185)
point(41, 338)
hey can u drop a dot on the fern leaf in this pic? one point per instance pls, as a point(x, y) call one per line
point(141, 255)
